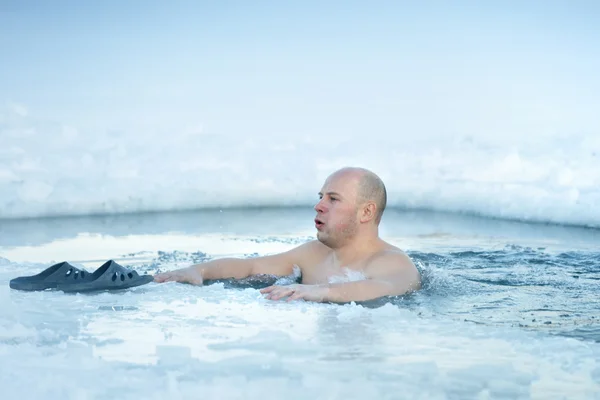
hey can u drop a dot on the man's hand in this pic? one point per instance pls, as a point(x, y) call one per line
point(296, 292)
point(186, 275)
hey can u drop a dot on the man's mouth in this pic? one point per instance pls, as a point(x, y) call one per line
point(318, 223)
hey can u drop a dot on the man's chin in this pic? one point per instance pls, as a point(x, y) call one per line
point(323, 239)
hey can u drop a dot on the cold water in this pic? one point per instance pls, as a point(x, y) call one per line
point(508, 310)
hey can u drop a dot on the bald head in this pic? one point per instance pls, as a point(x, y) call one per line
point(369, 187)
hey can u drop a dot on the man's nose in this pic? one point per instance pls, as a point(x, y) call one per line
point(319, 206)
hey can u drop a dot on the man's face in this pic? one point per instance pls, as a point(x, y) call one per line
point(337, 218)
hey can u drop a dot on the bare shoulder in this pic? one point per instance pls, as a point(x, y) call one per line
point(390, 258)
point(305, 253)
point(392, 263)
point(311, 251)
point(283, 263)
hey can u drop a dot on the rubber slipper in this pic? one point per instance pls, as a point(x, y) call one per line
point(110, 276)
point(62, 273)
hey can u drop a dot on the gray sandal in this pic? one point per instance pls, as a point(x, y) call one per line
point(110, 276)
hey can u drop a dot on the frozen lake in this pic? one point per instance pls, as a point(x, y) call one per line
point(508, 310)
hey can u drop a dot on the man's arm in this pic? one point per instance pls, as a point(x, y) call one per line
point(389, 274)
point(281, 264)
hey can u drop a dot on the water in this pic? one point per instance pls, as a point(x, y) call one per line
point(508, 310)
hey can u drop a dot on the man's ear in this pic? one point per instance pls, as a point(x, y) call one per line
point(369, 212)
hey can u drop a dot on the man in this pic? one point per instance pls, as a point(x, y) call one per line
point(352, 201)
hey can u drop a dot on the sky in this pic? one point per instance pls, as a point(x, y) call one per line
point(414, 69)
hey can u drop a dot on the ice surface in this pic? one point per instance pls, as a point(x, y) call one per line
point(49, 168)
